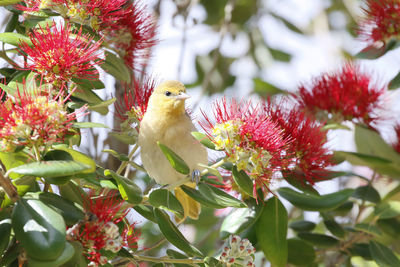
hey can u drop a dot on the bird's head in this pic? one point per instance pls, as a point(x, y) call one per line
point(169, 97)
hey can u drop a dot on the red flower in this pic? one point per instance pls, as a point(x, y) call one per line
point(348, 94)
point(100, 231)
point(307, 149)
point(132, 35)
point(382, 20)
point(33, 118)
point(59, 57)
point(250, 140)
point(396, 145)
point(135, 101)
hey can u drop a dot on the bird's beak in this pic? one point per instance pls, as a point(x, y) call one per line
point(182, 96)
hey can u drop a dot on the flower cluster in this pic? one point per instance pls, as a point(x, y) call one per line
point(250, 140)
point(99, 231)
point(382, 21)
point(310, 156)
point(237, 251)
point(58, 57)
point(348, 94)
point(34, 118)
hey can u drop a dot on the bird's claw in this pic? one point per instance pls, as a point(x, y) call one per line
point(196, 174)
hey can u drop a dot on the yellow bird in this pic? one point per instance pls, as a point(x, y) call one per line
point(166, 121)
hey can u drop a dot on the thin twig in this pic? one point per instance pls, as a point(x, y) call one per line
point(8, 188)
point(125, 163)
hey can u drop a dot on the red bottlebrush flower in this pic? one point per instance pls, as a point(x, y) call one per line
point(382, 20)
point(250, 140)
point(310, 156)
point(33, 118)
point(58, 57)
point(99, 230)
point(396, 145)
point(132, 35)
point(348, 94)
point(136, 97)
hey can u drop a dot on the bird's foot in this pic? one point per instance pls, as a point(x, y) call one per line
point(196, 175)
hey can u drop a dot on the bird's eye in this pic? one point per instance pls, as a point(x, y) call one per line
point(167, 93)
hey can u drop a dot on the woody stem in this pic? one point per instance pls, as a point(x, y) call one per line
point(9, 188)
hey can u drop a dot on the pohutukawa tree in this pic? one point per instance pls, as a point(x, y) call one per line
point(268, 156)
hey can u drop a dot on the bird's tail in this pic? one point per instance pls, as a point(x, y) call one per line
point(191, 207)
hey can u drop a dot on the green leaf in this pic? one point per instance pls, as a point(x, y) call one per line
point(388, 209)
point(265, 89)
point(319, 240)
point(196, 195)
point(14, 38)
point(9, 90)
point(128, 189)
point(116, 67)
point(383, 255)
point(343, 209)
point(367, 193)
point(102, 107)
point(367, 228)
point(243, 181)
point(39, 229)
point(127, 138)
point(54, 168)
point(362, 250)
point(395, 82)
point(335, 228)
point(121, 157)
point(173, 235)
point(62, 206)
point(146, 211)
point(89, 125)
point(89, 84)
point(11, 160)
point(79, 157)
point(5, 232)
point(302, 226)
point(65, 256)
point(315, 203)
point(373, 52)
point(164, 199)
point(301, 184)
point(176, 255)
point(204, 140)
point(271, 230)
point(239, 220)
point(176, 162)
point(220, 197)
point(300, 252)
point(72, 192)
point(280, 55)
point(78, 260)
point(390, 227)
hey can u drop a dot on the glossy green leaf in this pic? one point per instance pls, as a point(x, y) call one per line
point(199, 197)
point(121, 157)
point(335, 228)
point(23, 185)
point(204, 140)
point(280, 55)
point(173, 235)
point(164, 199)
point(127, 138)
point(319, 240)
point(265, 89)
point(176, 162)
point(77, 260)
point(302, 226)
point(79, 157)
point(54, 168)
point(11, 160)
point(367, 193)
point(89, 84)
point(315, 203)
point(89, 125)
point(102, 107)
point(146, 211)
point(62, 206)
point(108, 184)
point(242, 180)
point(65, 256)
point(343, 209)
point(14, 38)
point(300, 252)
point(390, 227)
point(128, 189)
point(373, 52)
point(115, 66)
point(271, 230)
point(239, 220)
point(298, 181)
point(72, 192)
point(383, 255)
point(5, 232)
point(388, 209)
point(362, 250)
point(367, 228)
point(219, 196)
point(395, 82)
point(39, 229)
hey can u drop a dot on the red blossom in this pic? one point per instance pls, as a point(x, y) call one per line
point(133, 35)
point(59, 57)
point(100, 231)
point(34, 118)
point(136, 98)
point(308, 150)
point(382, 20)
point(348, 94)
point(251, 141)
